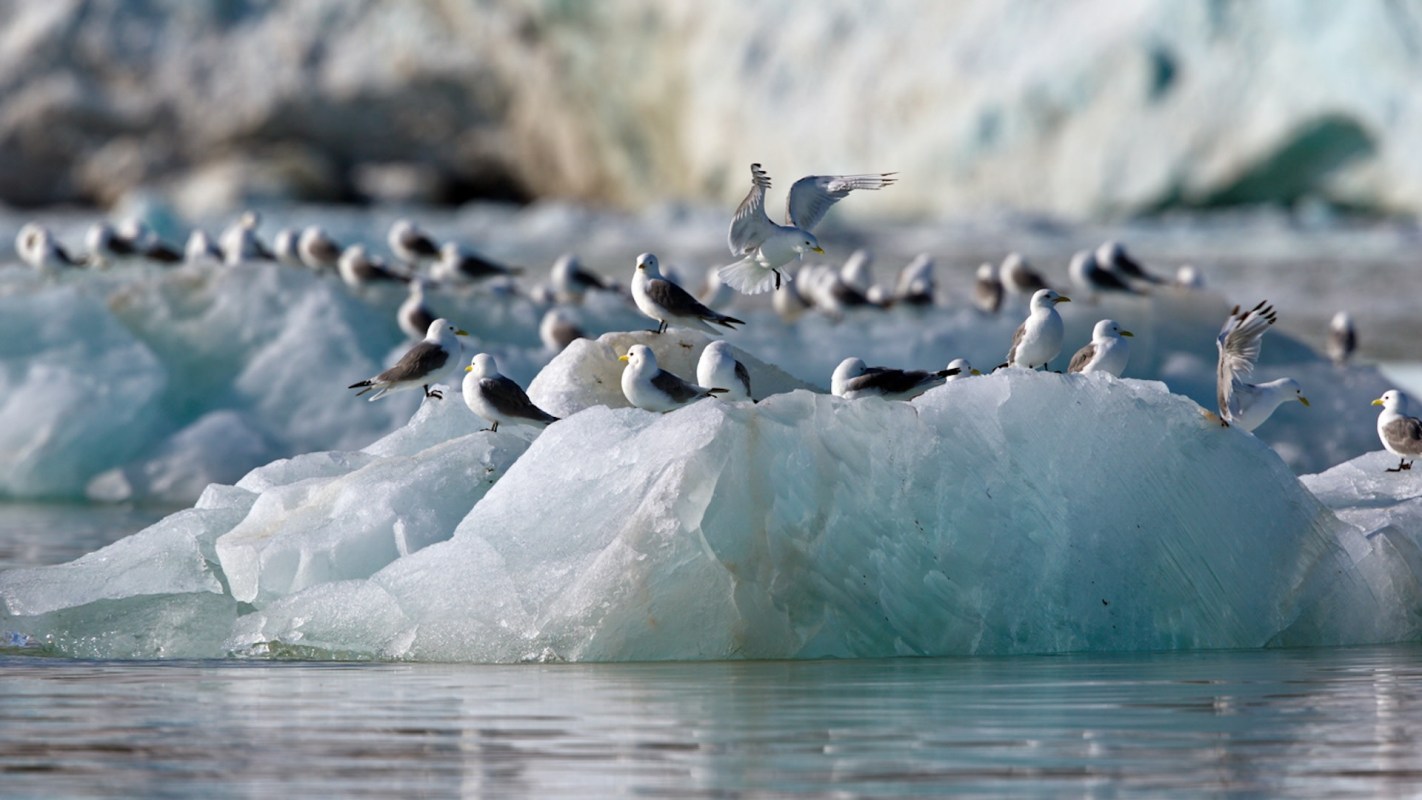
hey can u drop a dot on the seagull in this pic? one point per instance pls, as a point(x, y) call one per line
point(200, 248)
point(915, 285)
point(1188, 277)
point(1241, 404)
point(497, 398)
point(1106, 352)
point(457, 264)
point(1018, 277)
point(1113, 256)
point(104, 245)
point(135, 236)
point(1400, 433)
point(670, 304)
point(652, 388)
point(37, 247)
point(852, 380)
point(414, 316)
point(763, 246)
point(410, 244)
point(1088, 275)
point(317, 250)
point(571, 281)
point(427, 362)
point(858, 270)
point(1342, 338)
point(718, 367)
point(285, 247)
point(557, 330)
point(358, 269)
point(964, 370)
point(987, 289)
point(1038, 339)
point(240, 243)
point(791, 302)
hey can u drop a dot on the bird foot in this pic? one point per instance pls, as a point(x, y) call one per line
point(777, 279)
point(494, 428)
point(435, 393)
point(1394, 469)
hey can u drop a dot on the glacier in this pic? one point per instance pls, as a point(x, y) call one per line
point(799, 526)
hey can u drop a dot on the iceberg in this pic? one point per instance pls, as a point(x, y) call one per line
point(1017, 512)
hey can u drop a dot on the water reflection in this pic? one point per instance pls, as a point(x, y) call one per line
point(1282, 722)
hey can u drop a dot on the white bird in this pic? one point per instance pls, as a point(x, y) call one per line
point(763, 246)
point(652, 388)
point(1188, 277)
point(570, 281)
point(987, 289)
point(1088, 275)
point(557, 330)
point(852, 380)
point(915, 285)
point(1241, 404)
point(410, 244)
point(458, 265)
point(201, 248)
point(239, 242)
point(358, 268)
point(857, 271)
point(668, 303)
point(1106, 352)
point(1018, 277)
point(497, 398)
point(1342, 338)
point(134, 237)
point(318, 250)
point(103, 246)
point(285, 247)
point(428, 362)
point(719, 367)
point(791, 302)
point(964, 368)
point(36, 246)
point(1112, 256)
point(414, 315)
point(1400, 434)
point(1038, 339)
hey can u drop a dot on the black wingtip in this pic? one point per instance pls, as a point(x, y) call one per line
point(717, 390)
point(946, 373)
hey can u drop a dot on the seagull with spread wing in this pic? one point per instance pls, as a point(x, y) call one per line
point(1247, 405)
point(763, 246)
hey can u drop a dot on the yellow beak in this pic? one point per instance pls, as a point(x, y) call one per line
point(1303, 400)
point(818, 249)
point(469, 368)
point(622, 357)
point(461, 332)
point(976, 371)
point(1127, 333)
point(1378, 402)
point(1063, 299)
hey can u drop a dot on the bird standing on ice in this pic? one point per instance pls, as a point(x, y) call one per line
point(669, 304)
point(852, 380)
point(1106, 352)
point(1038, 339)
point(497, 398)
point(1342, 338)
point(429, 361)
point(1247, 405)
point(649, 387)
point(763, 246)
point(1400, 433)
point(718, 367)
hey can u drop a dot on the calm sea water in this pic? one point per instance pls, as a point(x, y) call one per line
point(1318, 723)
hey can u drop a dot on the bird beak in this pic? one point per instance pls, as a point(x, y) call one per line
point(1303, 400)
point(622, 357)
point(976, 371)
point(1063, 299)
point(1378, 402)
point(469, 368)
point(461, 332)
point(1127, 333)
point(818, 249)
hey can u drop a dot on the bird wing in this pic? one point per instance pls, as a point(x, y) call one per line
point(888, 381)
point(743, 375)
point(1240, 341)
point(419, 243)
point(1082, 358)
point(811, 197)
point(506, 396)
point(419, 361)
point(1016, 340)
point(677, 389)
point(750, 226)
point(676, 300)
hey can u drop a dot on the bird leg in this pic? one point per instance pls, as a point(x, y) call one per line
point(1401, 465)
point(495, 427)
point(661, 328)
point(777, 279)
point(435, 393)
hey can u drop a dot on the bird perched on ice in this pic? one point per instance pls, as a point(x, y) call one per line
point(1087, 275)
point(668, 303)
point(719, 367)
point(37, 247)
point(1113, 257)
point(1342, 338)
point(570, 281)
point(987, 289)
point(1247, 405)
point(410, 244)
point(915, 285)
point(359, 268)
point(497, 398)
point(1038, 339)
point(1188, 277)
point(457, 265)
point(414, 315)
point(1106, 352)
point(1018, 277)
point(239, 241)
point(284, 247)
point(964, 367)
point(557, 330)
point(200, 248)
point(652, 388)
point(318, 250)
point(852, 380)
point(1400, 434)
point(428, 362)
point(763, 246)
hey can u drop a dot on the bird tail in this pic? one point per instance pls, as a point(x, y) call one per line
point(748, 277)
point(947, 373)
point(728, 321)
point(366, 386)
